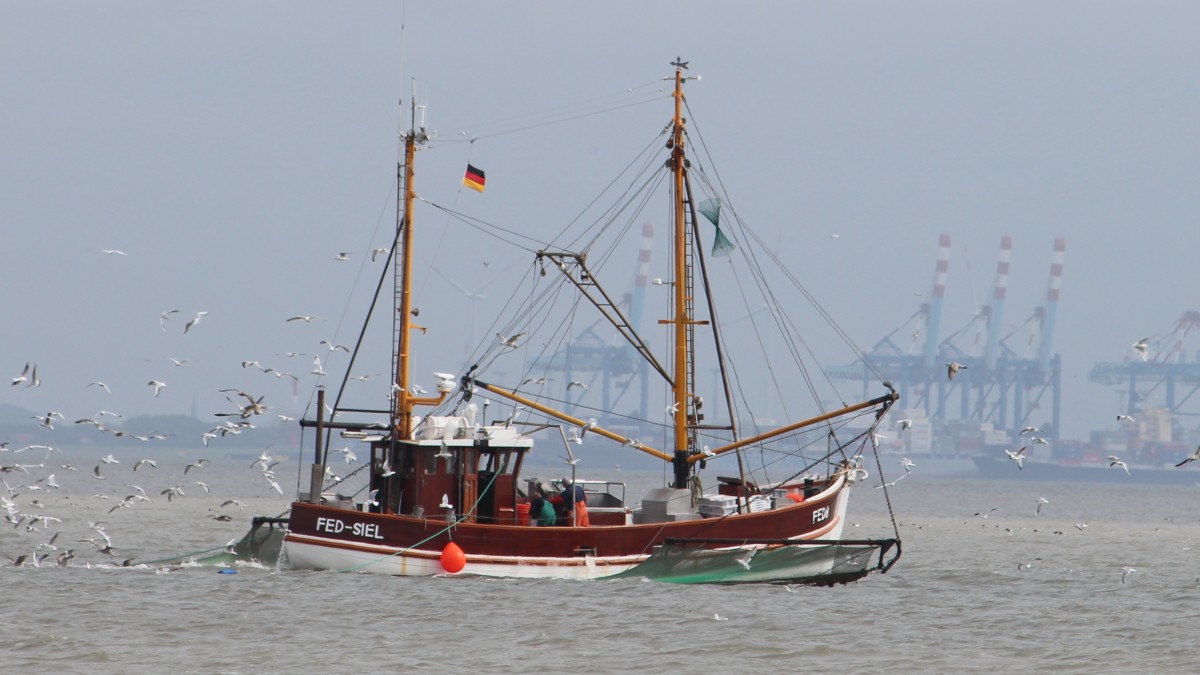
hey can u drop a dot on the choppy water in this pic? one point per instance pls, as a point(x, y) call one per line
point(956, 602)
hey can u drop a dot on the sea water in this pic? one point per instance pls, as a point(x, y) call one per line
point(1011, 592)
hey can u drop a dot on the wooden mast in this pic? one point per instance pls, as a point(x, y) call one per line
point(405, 402)
point(683, 286)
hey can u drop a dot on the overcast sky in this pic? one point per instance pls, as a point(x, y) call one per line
point(232, 149)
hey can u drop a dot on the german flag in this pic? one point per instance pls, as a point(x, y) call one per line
point(474, 179)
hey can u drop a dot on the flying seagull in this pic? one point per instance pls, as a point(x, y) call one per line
point(162, 318)
point(1029, 430)
point(101, 385)
point(1041, 501)
point(1018, 456)
point(195, 320)
point(952, 369)
point(1143, 347)
point(305, 319)
point(510, 341)
point(1113, 460)
point(1125, 572)
point(157, 386)
point(1193, 457)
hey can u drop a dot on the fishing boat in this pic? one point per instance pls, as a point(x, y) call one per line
point(451, 484)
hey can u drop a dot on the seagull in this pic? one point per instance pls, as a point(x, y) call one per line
point(22, 377)
point(1125, 417)
point(745, 558)
point(538, 380)
point(1041, 501)
point(1040, 441)
point(177, 362)
point(333, 347)
point(198, 464)
point(952, 369)
point(142, 462)
point(157, 386)
point(907, 463)
point(707, 451)
point(569, 460)
point(877, 487)
point(673, 408)
point(113, 251)
point(101, 385)
point(1017, 456)
point(1080, 526)
point(173, 492)
point(576, 383)
point(96, 473)
point(348, 454)
point(164, 317)
point(510, 341)
point(987, 513)
point(109, 459)
point(1028, 430)
point(445, 502)
point(718, 617)
point(1125, 572)
point(1143, 347)
point(232, 502)
point(1113, 460)
point(1193, 457)
point(904, 424)
point(317, 369)
point(203, 485)
point(444, 453)
point(195, 320)
point(341, 256)
point(305, 319)
point(377, 252)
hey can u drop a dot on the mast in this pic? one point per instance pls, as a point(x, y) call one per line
point(405, 402)
point(683, 285)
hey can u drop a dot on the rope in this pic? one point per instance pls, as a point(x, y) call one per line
point(447, 528)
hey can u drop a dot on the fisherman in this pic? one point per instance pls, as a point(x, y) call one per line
point(573, 503)
point(541, 512)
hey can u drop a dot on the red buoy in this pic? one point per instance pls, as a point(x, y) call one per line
point(453, 558)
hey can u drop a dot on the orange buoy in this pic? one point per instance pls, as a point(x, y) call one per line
point(453, 558)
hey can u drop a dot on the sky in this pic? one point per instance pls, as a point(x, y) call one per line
point(231, 150)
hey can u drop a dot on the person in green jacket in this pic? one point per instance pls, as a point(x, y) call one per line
point(541, 511)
